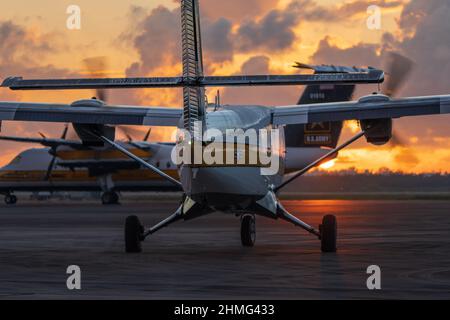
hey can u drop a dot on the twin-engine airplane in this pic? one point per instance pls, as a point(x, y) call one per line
point(66, 165)
point(236, 188)
point(71, 165)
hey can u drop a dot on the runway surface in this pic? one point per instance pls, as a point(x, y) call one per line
point(409, 240)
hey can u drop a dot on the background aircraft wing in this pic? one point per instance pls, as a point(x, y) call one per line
point(370, 107)
point(89, 113)
point(44, 141)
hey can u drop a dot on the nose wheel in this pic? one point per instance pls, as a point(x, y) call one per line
point(134, 231)
point(110, 197)
point(248, 230)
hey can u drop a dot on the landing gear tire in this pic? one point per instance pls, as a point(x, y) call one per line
point(328, 233)
point(10, 199)
point(248, 231)
point(133, 235)
point(110, 198)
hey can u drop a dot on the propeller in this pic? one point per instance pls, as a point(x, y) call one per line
point(398, 70)
point(147, 135)
point(131, 132)
point(96, 67)
point(52, 151)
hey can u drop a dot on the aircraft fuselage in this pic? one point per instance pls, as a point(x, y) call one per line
point(229, 187)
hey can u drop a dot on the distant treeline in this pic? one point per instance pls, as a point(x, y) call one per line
point(380, 181)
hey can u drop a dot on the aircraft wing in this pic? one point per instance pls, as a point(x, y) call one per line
point(370, 107)
point(83, 113)
point(44, 141)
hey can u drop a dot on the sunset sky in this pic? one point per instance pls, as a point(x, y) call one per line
point(142, 38)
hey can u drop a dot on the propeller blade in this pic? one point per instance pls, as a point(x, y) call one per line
point(97, 68)
point(64, 134)
point(399, 69)
point(147, 136)
point(300, 65)
point(131, 132)
point(50, 169)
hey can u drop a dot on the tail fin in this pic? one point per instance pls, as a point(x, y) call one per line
point(324, 134)
point(193, 97)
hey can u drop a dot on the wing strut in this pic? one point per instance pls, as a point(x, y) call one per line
point(315, 163)
point(140, 161)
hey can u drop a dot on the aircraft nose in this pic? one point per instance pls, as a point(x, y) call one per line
point(233, 180)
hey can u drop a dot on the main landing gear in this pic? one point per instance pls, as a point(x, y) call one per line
point(248, 230)
point(327, 232)
point(110, 197)
point(135, 232)
point(10, 199)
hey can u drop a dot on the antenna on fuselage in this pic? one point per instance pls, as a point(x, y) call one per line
point(217, 101)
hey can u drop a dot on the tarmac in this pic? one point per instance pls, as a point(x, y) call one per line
point(203, 259)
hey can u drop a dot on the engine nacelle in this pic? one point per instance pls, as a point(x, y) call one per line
point(88, 132)
point(378, 131)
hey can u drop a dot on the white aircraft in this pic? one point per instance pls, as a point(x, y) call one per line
point(238, 189)
point(107, 171)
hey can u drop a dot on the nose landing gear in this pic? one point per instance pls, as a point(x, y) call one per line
point(110, 197)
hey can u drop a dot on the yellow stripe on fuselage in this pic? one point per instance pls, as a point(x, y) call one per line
point(74, 155)
point(78, 176)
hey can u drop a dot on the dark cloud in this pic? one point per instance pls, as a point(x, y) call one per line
point(16, 44)
point(236, 10)
point(260, 95)
point(256, 65)
point(261, 27)
point(349, 9)
point(358, 55)
point(218, 42)
point(429, 46)
point(428, 25)
point(157, 40)
point(426, 30)
point(272, 32)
